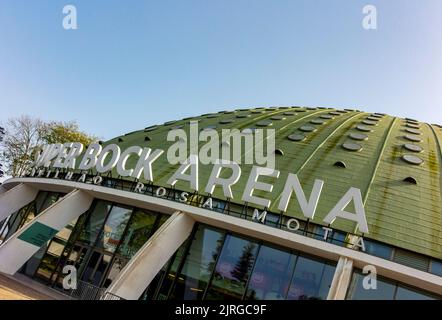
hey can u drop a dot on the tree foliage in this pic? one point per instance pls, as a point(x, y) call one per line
point(24, 136)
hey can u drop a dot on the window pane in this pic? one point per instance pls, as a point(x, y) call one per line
point(95, 222)
point(233, 269)
point(138, 232)
point(384, 291)
point(411, 294)
point(378, 249)
point(199, 264)
point(114, 228)
point(40, 199)
point(49, 201)
point(117, 265)
point(271, 275)
point(171, 273)
point(307, 283)
point(436, 268)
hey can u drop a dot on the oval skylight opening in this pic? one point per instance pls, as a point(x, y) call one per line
point(412, 159)
point(213, 115)
point(340, 164)
point(296, 137)
point(334, 113)
point(326, 116)
point(317, 121)
point(243, 115)
point(120, 140)
point(279, 152)
point(258, 111)
point(413, 131)
point(370, 123)
point(361, 127)
point(146, 138)
point(350, 146)
point(264, 123)
point(277, 118)
point(289, 113)
point(413, 147)
point(151, 128)
point(372, 119)
point(410, 180)
point(226, 121)
point(307, 128)
point(412, 125)
point(358, 136)
point(412, 138)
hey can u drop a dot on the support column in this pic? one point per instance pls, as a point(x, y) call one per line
point(144, 266)
point(341, 279)
point(15, 199)
point(21, 246)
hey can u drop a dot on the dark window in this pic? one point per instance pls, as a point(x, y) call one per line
point(311, 280)
point(200, 262)
point(271, 276)
point(233, 269)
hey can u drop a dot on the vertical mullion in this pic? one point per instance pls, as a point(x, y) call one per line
point(209, 282)
point(292, 275)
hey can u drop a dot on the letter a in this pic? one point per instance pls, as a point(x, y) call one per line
point(70, 21)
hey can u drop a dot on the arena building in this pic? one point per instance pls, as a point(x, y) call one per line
point(351, 193)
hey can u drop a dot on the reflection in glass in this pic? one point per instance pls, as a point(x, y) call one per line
point(311, 280)
point(199, 265)
point(233, 269)
point(271, 275)
point(138, 232)
point(114, 228)
point(404, 293)
point(95, 222)
point(117, 265)
point(384, 291)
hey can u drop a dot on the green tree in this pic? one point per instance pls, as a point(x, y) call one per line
point(62, 132)
point(24, 136)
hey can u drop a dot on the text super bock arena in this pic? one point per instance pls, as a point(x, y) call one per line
point(284, 203)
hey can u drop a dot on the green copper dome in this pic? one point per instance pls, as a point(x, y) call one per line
point(396, 164)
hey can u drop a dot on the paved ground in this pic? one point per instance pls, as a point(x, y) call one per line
point(12, 289)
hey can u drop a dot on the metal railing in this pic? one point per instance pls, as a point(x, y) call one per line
point(87, 291)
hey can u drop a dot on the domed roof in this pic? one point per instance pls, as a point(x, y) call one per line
point(396, 164)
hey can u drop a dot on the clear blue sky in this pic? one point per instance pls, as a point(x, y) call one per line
point(133, 63)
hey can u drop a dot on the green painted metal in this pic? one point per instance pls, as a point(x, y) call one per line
point(398, 212)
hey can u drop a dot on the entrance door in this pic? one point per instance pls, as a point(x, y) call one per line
point(95, 270)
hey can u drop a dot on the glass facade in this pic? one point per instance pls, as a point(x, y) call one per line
point(213, 264)
point(386, 289)
point(16, 221)
point(99, 244)
point(216, 265)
